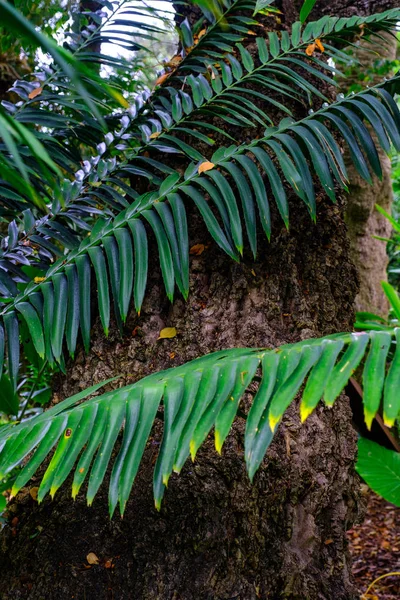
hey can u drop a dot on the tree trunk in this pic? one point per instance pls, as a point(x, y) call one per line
point(217, 537)
point(362, 218)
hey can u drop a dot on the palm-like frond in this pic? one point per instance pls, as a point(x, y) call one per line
point(196, 397)
point(118, 250)
point(224, 92)
point(177, 113)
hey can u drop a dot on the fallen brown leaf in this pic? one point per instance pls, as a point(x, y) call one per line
point(197, 249)
point(205, 166)
point(311, 49)
point(92, 559)
point(33, 492)
point(161, 79)
point(35, 92)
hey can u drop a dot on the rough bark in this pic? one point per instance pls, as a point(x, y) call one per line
point(217, 537)
point(362, 218)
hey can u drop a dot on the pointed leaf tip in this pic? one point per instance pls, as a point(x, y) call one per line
point(273, 422)
point(368, 418)
point(193, 450)
point(218, 443)
point(305, 412)
point(387, 421)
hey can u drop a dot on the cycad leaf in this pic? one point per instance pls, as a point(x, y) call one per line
point(196, 397)
point(34, 325)
point(99, 264)
point(374, 373)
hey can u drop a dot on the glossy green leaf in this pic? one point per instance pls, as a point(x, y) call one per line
point(84, 279)
point(374, 373)
point(380, 468)
point(125, 270)
point(391, 404)
point(34, 325)
point(100, 269)
point(60, 288)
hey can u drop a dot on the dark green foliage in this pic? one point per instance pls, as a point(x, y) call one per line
point(198, 396)
point(97, 226)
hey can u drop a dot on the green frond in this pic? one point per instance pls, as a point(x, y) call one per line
point(222, 91)
point(197, 397)
point(118, 250)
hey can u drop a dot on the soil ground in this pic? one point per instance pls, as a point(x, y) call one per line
point(375, 547)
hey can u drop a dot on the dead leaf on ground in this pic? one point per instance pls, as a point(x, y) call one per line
point(205, 166)
point(197, 249)
point(320, 45)
point(92, 559)
point(167, 332)
point(34, 493)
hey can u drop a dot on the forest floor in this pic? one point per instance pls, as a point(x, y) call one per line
point(375, 547)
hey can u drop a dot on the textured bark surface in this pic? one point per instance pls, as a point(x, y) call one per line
point(362, 218)
point(217, 537)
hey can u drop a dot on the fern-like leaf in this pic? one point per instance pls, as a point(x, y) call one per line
point(293, 144)
point(197, 397)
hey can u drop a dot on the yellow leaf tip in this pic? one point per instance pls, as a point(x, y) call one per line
point(305, 412)
point(193, 450)
point(273, 422)
point(388, 421)
point(218, 443)
point(368, 418)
